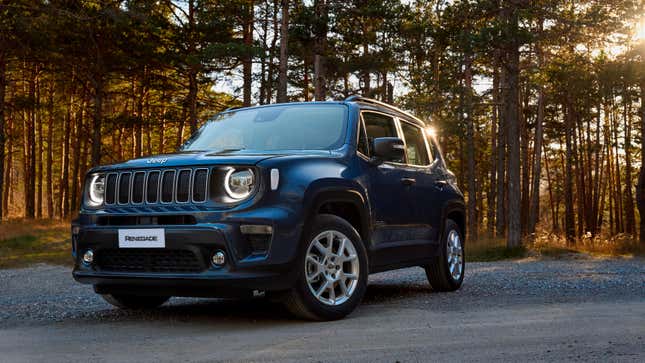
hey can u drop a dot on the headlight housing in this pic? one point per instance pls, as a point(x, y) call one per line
point(239, 183)
point(96, 190)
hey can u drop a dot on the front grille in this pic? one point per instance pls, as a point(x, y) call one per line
point(157, 186)
point(148, 260)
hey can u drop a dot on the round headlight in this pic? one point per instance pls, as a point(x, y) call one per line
point(239, 183)
point(96, 192)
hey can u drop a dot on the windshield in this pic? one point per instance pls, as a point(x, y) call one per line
point(288, 127)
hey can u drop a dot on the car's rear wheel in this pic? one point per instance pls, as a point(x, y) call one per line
point(446, 271)
point(134, 301)
point(332, 271)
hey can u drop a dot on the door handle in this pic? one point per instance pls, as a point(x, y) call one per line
point(440, 184)
point(408, 181)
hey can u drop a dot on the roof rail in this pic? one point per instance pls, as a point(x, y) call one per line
point(357, 98)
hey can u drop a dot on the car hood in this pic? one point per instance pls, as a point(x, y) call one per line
point(201, 158)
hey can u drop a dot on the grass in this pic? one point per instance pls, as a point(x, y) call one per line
point(23, 243)
point(549, 245)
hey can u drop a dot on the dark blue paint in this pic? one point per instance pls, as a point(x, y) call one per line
point(400, 224)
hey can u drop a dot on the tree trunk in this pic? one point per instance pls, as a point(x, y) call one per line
point(534, 210)
point(630, 219)
point(569, 225)
point(470, 149)
point(193, 72)
point(640, 187)
point(3, 81)
point(247, 60)
point(97, 121)
point(39, 152)
point(491, 197)
point(500, 216)
point(284, 59)
point(50, 153)
point(30, 146)
point(320, 49)
point(64, 175)
point(77, 180)
point(511, 113)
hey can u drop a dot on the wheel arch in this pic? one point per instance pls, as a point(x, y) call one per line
point(455, 210)
point(346, 203)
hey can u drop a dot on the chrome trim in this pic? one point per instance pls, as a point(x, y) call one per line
point(118, 190)
point(143, 197)
point(116, 187)
point(161, 185)
point(192, 185)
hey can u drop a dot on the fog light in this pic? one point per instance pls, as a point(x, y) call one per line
point(88, 257)
point(219, 258)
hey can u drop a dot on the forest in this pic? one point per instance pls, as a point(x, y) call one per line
point(538, 104)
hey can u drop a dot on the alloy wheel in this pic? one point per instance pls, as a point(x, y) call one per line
point(332, 268)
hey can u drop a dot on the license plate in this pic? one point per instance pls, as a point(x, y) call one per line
point(142, 238)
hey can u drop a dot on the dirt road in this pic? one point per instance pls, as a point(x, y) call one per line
point(573, 310)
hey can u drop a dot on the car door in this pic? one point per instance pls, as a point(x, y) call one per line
point(389, 195)
point(426, 190)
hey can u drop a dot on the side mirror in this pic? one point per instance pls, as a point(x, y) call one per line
point(388, 149)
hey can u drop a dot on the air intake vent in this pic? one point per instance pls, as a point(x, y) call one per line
point(200, 180)
point(110, 189)
point(152, 187)
point(124, 188)
point(183, 186)
point(157, 186)
point(167, 186)
point(137, 187)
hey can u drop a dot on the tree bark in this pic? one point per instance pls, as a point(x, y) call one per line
point(50, 153)
point(97, 120)
point(630, 219)
point(569, 225)
point(193, 71)
point(470, 150)
point(3, 81)
point(247, 60)
point(500, 216)
point(284, 59)
point(491, 197)
point(534, 210)
point(320, 49)
point(640, 187)
point(511, 113)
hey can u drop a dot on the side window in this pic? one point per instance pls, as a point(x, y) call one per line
point(362, 140)
point(415, 144)
point(379, 125)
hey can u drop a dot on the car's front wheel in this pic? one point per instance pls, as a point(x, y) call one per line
point(332, 271)
point(446, 271)
point(135, 302)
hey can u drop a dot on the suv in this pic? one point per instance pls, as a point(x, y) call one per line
point(300, 201)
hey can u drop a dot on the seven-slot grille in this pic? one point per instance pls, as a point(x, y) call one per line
point(157, 186)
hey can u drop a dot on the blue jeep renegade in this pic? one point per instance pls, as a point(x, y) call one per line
point(300, 201)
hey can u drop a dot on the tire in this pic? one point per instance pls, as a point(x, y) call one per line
point(133, 302)
point(438, 271)
point(321, 297)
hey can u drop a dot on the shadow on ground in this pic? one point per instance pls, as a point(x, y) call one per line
point(265, 310)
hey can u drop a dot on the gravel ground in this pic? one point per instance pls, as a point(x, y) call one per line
point(580, 309)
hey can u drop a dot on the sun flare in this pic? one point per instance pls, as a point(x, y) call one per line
point(639, 32)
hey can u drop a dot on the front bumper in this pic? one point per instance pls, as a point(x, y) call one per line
point(270, 271)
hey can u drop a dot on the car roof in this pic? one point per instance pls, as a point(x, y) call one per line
point(363, 103)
